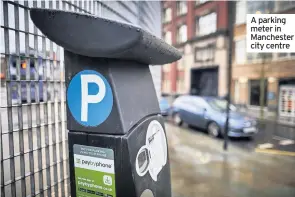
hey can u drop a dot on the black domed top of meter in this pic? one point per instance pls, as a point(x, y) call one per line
point(92, 36)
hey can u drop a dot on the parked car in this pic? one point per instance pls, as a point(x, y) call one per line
point(210, 113)
point(164, 106)
point(26, 85)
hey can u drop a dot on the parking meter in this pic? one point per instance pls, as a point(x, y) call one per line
point(117, 140)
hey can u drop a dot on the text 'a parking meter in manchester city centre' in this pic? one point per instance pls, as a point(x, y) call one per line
point(117, 140)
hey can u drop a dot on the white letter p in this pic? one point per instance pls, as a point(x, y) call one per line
point(86, 98)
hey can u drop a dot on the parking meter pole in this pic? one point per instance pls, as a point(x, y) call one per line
point(117, 140)
point(231, 19)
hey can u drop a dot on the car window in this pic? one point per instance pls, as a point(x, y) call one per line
point(183, 101)
point(180, 100)
point(200, 103)
point(220, 105)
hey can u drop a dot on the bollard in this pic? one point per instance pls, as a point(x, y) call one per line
point(117, 140)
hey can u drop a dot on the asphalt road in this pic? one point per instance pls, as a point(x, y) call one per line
point(199, 167)
point(271, 136)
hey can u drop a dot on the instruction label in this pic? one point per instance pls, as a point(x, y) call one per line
point(94, 171)
point(268, 33)
point(152, 156)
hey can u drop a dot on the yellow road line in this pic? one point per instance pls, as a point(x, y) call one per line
point(275, 152)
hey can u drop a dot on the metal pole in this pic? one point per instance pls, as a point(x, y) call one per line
point(231, 19)
point(262, 86)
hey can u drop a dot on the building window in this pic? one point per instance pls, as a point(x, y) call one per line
point(255, 57)
point(206, 24)
point(198, 2)
point(240, 51)
point(255, 93)
point(241, 7)
point(167, 15)
point(168, 37)
point(260, 7)
point(285, 55)
point(181, 7)
point(182, 34)
point(282, 55)
point(284, 5)
point(205, 54)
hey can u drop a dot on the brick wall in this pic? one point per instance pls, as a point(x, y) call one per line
point(192, 11)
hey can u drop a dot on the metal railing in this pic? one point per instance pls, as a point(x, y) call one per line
point(33, 124)
point(33, 134)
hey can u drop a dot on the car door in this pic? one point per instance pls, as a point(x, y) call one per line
point(182, 108)
point(200, 109)
point(190, 112)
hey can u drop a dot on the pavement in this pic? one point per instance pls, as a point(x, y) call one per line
point(269, 116)
point(199, 166)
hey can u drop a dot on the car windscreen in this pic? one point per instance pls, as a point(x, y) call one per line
point(220, 105)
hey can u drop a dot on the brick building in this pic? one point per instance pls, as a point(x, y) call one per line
point(199, 30)
point(277, 69)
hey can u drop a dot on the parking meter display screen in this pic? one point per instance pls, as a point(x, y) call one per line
point(94, 171)
point(143, 160)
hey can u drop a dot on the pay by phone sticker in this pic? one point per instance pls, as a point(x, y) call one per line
point(152, 157)
point(89, 98)
point(94, 171)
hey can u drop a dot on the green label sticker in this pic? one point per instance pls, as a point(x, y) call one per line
point(94, 171)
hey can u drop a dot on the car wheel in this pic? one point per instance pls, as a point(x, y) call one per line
point(213, 130)
point(176, 119)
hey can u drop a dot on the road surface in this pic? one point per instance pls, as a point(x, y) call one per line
point(199, 167)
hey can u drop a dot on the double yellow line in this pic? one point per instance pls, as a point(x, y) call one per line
point(275, 152)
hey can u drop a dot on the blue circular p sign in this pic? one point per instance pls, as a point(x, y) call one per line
point(90, 98)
